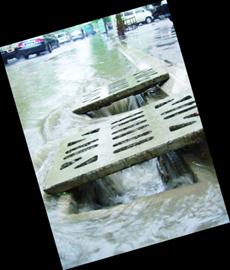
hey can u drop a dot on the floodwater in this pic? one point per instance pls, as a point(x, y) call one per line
point(129, 209)
point(159, 40)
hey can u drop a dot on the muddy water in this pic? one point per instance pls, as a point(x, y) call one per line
point(124, 211)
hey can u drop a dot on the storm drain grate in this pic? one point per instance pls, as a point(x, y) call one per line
point(120, 89)
point(124, 140)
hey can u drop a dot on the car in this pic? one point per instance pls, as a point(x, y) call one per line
point(137, 16)
point(9, 52)
point(63, 37)
point(37, 45)
point(89, 30)
point(77, 34)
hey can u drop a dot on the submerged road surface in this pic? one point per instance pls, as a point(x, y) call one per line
point(120, 212)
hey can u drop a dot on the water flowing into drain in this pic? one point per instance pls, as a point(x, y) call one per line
point(161, 174)
point(124, 105)
point(45, 101)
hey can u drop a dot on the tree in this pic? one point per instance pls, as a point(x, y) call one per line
point(120, 26)
point(105, 24)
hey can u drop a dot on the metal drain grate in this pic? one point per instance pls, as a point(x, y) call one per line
point(124, 140)
point(125, 87)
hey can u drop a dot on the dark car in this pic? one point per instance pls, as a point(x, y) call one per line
point(37, 46)
point(8, 53)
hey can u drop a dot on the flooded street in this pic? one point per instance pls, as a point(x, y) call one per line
point(73, 69)
point(127, 210)
point(158, 39)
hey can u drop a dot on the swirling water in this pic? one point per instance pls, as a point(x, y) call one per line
point(121, 212)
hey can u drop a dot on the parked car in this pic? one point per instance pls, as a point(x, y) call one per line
point(37, 45)
point(63, 37)
point(89, 30)
point(136, 16)
point(77, 34)
point(9, 52)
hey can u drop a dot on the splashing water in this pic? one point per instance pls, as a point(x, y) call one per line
point(127, 210)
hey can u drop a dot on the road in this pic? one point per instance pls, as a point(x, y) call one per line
point(80, 66)
point(45, 90)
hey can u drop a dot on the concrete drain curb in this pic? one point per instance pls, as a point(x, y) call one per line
point(131, 85)
point(126, 139)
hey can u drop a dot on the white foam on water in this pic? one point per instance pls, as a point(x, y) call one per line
point(83, 234)
point(140, 218)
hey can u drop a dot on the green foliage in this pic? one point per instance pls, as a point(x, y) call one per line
point(107, 19)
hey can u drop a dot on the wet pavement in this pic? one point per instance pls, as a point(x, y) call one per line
point(83, 65)
point(70, 70)
point(45, 89)
point(158, 39)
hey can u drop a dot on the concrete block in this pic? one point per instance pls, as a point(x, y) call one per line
point(124, 140)
point(178, 81)
point(131, 85)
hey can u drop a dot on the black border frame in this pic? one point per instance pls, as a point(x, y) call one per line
point(30, 238)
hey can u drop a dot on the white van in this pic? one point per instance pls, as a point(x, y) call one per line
point(63, 37)
point(136, 16)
